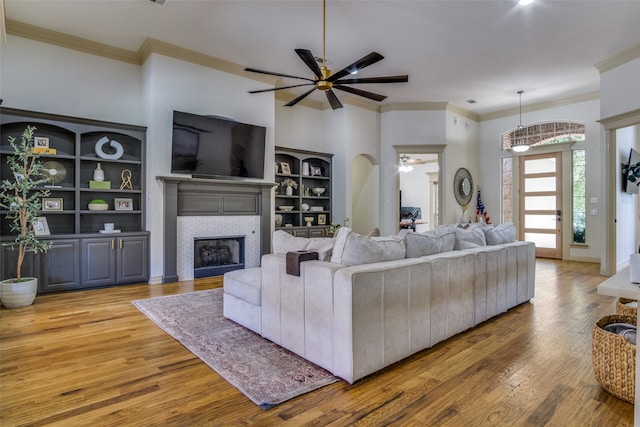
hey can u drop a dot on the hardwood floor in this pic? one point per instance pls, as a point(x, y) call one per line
point(91, 358)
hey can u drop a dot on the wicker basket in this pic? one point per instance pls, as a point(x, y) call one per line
point(614, 359)
point(623, 309)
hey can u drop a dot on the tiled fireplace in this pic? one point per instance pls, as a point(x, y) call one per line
point(195, 208)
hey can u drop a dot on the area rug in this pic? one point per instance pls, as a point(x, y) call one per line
point(263, 371)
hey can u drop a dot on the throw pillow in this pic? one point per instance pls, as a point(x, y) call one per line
point(351, 248)
point(469, 238)
point(503, 233)
point(284, 242)
point(428, 243)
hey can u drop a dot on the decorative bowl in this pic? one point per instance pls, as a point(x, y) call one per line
point(286, 208)
point(317, 208)
point(319, 191)
point(98, 207)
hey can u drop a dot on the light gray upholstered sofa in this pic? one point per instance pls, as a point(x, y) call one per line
point(354, 320)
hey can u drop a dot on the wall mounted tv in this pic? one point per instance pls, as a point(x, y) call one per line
point(211, 147)
point(631, 173)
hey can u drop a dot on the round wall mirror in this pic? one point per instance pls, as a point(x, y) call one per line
point(463, 186)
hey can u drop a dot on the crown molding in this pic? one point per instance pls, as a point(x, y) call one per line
point(43, 35)
point(619, 59)
point(464, 113)
point(151, 45)
point(414, 106)
point(540, 106)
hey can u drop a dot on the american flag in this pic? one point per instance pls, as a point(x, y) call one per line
point(480, 209)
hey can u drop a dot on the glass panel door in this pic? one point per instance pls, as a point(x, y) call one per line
point(541, 203)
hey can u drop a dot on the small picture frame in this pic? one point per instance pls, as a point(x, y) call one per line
point(123, 204)
point(316, 171)
point(322, 219)
point(285, 168)
point(40, 142)
point(41, 227)
point(52, 204)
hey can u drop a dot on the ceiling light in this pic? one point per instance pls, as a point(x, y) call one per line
point(404, 164)
point(520, 142)
point(525, 2)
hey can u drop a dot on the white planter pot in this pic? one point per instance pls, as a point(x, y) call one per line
point(289, 191)
point(18, 294)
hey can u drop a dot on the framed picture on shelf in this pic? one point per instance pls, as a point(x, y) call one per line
point(52, 204)
point(322, 219)
point(41, 227)
point(40, 142)
point(123, 204)
point(285, 168)
point(316, 171)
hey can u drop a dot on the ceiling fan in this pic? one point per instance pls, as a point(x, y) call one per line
point(326, 81)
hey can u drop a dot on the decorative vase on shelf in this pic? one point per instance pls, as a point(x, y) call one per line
point(305, 168)
point(98, 173)
point(289, 191)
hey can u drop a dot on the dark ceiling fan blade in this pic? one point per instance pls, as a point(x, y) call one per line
point(333, 99)
point(298, 99)
point(359, 92)
point(365, 61)
point(271, 73)
point(387, 79)
point(278, 88)
point(308, 58)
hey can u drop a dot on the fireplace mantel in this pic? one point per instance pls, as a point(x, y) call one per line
point(212, 197)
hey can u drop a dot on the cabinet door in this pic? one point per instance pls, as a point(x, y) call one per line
point(98, 262)
point(60, 266)
point(132, 260)
point(317, 232)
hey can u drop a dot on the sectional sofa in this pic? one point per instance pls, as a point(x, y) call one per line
point(370, 302)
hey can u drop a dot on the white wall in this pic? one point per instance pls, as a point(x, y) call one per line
point(365, 195)
point(170, 85)
point(620, 89)
point(490, 156)
point(626, 204)
point(46, 78)
point(404, 128)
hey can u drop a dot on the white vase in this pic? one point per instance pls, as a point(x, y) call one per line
point(18, 294)
point(305, 168)
point(289, 191)
point(98, 173)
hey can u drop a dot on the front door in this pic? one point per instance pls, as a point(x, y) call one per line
point(541, 203)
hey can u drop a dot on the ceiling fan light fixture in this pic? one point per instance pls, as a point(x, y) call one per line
point(404, 164)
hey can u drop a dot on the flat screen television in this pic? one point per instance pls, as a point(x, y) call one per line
point(631, 173)
point(211, 147)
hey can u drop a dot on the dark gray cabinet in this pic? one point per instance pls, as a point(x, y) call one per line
point(60, 266)
point(114, 260)
point(81, 256)
point(304, 209)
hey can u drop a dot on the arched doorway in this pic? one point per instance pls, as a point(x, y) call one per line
point(365, 194)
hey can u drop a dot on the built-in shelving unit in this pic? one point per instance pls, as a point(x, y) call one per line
point(83, 254)
point(305, 209)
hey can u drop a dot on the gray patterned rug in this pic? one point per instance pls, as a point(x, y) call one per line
point(265, 372)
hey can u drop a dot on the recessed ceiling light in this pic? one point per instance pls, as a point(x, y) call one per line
point(525, 2)
point(471, 101)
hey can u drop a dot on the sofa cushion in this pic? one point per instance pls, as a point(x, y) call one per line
point(469, 238)
point(503, 233)
point(354, 249)
point(284, 242)
point(429, 242)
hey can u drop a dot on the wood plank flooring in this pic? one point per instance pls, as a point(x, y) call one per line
point(91, 358)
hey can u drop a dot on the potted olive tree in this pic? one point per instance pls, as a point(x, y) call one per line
point(21, 197)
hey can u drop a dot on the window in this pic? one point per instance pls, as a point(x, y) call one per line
point(507, 190)
point(545, 133)
point(578, 166)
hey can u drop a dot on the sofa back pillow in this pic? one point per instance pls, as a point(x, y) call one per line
point(469, 237)
point(352, 248)
point(503, 233)
point(284, 242)
point(429, 242)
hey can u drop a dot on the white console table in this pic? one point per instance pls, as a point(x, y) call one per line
point(619, 285)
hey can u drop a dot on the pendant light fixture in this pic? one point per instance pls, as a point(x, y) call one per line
point(520, 142)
